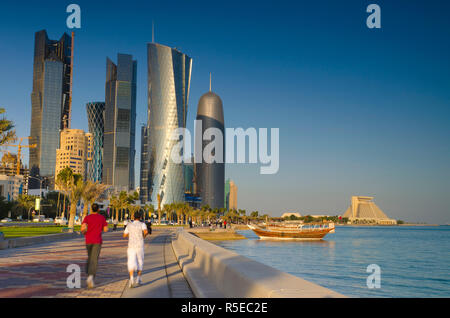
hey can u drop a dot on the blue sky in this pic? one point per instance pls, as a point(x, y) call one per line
point(360, 111)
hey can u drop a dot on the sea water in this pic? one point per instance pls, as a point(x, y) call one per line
point(414, 260)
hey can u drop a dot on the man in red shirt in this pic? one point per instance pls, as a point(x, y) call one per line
point(92, 227)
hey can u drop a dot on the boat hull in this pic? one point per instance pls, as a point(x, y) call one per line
point(291, 235)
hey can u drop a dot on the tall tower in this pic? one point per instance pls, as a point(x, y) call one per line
point(75, 151)
point(96, 118)
point(169, 76)
point(211, 179)
point(120, 123)
point(49, 102)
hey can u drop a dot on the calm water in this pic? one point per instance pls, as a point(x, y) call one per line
point(414, 261)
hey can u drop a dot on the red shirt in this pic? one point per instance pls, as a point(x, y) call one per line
point(95, 223)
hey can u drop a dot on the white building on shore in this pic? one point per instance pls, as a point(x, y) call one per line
point(363, 210)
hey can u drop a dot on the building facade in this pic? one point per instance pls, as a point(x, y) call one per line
point(211, 177)
point(169, 75)
point(233, 196)
point(120, 123)
point(144, 173)
point(49, 103)
point(363, 210)
point(226, 200)
point(75, 151)
point(8, 167)
point(96, 118)
point(11, 186)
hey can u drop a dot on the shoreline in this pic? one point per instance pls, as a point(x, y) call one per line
point(381, 225)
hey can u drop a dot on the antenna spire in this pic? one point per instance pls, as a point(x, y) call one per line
point(153, 31)
point(210, 81)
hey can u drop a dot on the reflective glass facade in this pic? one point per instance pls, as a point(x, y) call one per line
point(211, 176)
point(49, 102)
point(120, 123)
point(96, 117)
point(169, 74)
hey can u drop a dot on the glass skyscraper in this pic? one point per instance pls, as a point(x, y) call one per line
point(96, 118)
point(120, 123)
point(169, 75)
point(49, 102)
point(211, 176)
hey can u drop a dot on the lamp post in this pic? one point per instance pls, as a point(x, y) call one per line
point(40, 184)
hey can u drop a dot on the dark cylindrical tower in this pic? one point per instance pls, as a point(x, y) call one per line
point(211, 176)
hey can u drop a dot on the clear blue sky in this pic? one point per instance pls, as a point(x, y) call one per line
point(360, 111)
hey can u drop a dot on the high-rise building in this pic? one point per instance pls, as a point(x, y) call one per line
point(143, 189)
point(211, 179)
point(74, 152)
point(227, 195)
point(169, 75)
point(189, 178)
point(49, 102)
point(120, 123)
point(96, 118)
point(233, 196)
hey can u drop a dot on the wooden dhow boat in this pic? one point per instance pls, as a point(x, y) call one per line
point(309, 231)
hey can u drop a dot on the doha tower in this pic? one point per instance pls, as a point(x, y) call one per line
point(169, 76)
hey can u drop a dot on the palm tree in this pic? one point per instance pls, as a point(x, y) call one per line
point(166, 210)
point(114, 203)
point(159, 207)
point(149, 209)
point(24, 203)
point(185, 210)
point(72, 185)
point(91, 192)
point(7, 133)
point(123, 202)
point(75, 192)
point(63, 180)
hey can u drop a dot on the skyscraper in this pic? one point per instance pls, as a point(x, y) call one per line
point(96, 118)
point(120, 123)
point(211, 179)
point(49, 102)
point(169, 75)
point(227, 195)
point(233, 196)
point(143, 188)
point(75, 151)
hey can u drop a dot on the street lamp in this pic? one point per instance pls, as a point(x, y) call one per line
point(40, 184)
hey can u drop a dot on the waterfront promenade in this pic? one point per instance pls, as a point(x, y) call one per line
point(40, 270)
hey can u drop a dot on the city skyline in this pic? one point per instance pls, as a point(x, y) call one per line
point(361, 112)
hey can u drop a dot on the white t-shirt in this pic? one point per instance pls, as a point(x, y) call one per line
point(135, 235)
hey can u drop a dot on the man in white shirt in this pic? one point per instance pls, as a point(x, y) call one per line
point(136, 231)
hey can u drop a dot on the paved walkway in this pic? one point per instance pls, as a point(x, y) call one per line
point(40, 270)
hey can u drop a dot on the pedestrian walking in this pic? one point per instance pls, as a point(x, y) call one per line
point(149, 226)
point(92, 228)
point(136, 231)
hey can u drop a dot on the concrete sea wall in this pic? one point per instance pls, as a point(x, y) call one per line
point(213, 271)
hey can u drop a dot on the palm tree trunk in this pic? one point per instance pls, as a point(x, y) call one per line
point(64, 206)
point(73, 211)
point(85, 211)
point(57, 204)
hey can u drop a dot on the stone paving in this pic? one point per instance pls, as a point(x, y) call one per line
point(40, 270)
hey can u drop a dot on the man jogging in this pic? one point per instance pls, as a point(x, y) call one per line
point(92, 227)
point(136, 231)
